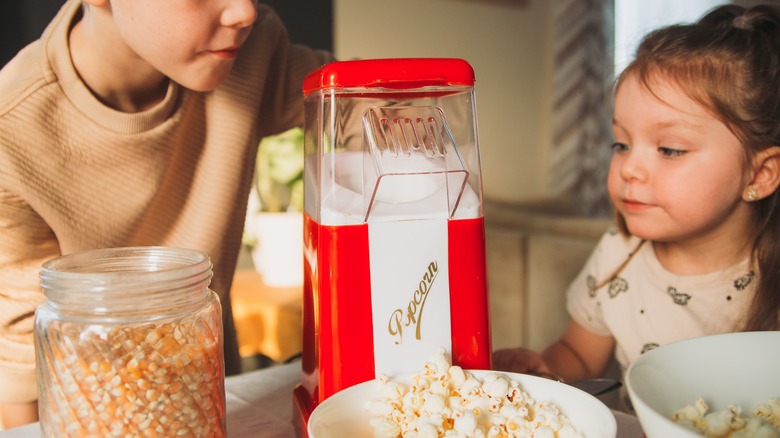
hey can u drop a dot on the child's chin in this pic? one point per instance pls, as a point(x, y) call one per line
point(641, 232)
point(204, 84)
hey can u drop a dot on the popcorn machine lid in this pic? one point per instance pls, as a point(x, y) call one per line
point(396, 73)
point(391, 139)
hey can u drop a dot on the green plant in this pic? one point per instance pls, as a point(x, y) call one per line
point(278, 180)
point(279, 172)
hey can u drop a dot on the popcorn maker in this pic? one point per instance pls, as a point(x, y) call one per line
point(394, 243)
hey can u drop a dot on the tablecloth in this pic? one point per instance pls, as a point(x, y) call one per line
point(259, 404)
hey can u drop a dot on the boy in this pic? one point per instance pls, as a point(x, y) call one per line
point(129, 123)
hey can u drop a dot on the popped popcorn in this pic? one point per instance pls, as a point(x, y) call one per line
point(448, 401)
point(763, 423)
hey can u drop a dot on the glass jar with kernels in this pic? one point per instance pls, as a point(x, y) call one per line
point(129, 343)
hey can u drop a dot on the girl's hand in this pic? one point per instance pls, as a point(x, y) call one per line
point(579, 354)
point(520, 360)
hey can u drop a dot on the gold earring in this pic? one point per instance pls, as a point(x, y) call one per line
point(752, 194)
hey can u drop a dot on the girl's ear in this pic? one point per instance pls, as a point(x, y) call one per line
point(766, 174)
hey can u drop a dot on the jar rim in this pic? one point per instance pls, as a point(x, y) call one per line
point(137, 268)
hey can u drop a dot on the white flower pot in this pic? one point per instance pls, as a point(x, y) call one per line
point(278, 254)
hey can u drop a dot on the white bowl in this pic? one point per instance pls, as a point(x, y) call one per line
point(343, 414)
point(740, 369)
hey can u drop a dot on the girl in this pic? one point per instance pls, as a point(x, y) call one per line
point(694, 180)
point(134, 122)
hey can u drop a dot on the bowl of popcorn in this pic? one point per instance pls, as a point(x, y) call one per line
point(444, 400)
point(714, 386)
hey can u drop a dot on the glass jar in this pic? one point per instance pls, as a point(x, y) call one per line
point(129, 343)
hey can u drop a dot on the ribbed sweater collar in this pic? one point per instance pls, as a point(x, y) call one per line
point(55, 41)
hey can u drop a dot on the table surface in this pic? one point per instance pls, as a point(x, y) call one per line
point(259, 404)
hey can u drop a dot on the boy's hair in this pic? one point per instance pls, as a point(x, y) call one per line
point(729, 62)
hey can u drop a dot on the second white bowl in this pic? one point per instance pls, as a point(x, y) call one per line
point(740, 369)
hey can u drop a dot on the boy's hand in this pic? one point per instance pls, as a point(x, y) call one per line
point(18, 415)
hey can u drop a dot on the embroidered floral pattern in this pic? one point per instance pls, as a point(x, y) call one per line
point(590, 282)
point(744, 281)
point(680, 298)
point(617, 286)
point(649, 346)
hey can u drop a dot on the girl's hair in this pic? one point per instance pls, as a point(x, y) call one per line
point(729, 62)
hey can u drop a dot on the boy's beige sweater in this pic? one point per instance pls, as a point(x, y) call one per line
point(77, 175)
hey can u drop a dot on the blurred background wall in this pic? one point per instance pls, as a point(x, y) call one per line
point(22, 21)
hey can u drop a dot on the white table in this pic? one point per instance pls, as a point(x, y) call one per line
point(259, 404)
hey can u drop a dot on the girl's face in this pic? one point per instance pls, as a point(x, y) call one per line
point(193, 42)
point(677, 173)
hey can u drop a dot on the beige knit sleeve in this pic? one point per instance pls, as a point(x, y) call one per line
point(26, 242)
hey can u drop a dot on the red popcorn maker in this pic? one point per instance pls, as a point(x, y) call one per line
point(394, 240)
